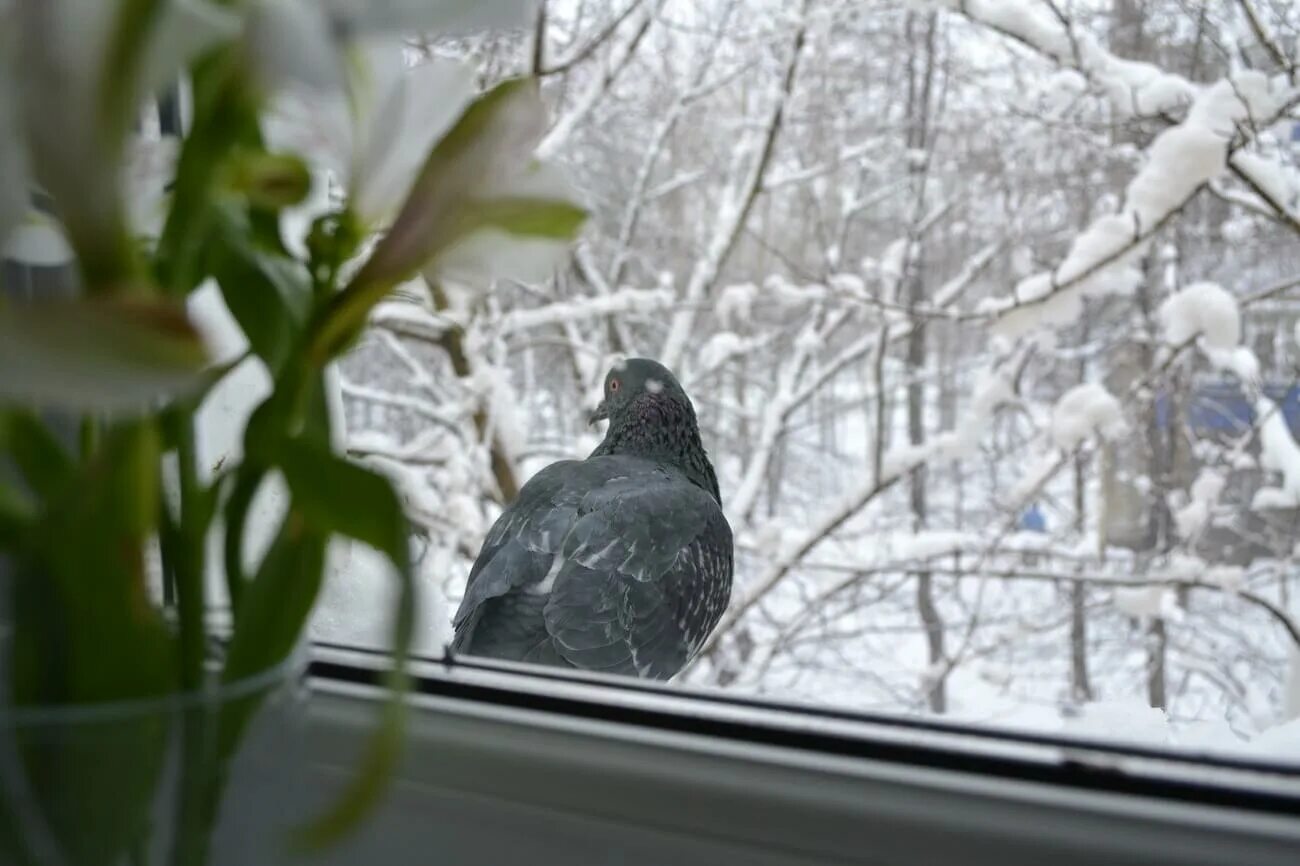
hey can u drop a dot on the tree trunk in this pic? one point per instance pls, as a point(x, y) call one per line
point(920, 87)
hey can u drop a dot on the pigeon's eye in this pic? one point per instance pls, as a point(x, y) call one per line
point(613, 385)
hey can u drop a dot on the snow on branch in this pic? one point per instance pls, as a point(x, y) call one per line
point(1276, 184)
point(1207, 313)
point(852, 153)
point(625, 300)
point(1181, 161)
point(994, 389)
point(436, 413)
point(777, 413)
point(589, 47)
point(639, 194)
point(599, 86)
point(1134, 88)
point(736, 205)
point(407, 319)
point(1278, 452)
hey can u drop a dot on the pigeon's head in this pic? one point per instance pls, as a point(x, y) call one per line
point(636, 383)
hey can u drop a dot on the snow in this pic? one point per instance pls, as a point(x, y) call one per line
point(1178, 163)
point(626, 301)
point(1240, 361)
point(412, 316)
point(1084, 411)
point(719, 348)
point(1238, 230)
point(735, 304)
point(774, 339)
point(1147, 602)
point(358, 598)
point(1038, 468)
point(1230, 577)
point(928, 544)
point(1120, 719)
point(848, 284)
point(1191, 518)
point(1205, 310)
point(1034, 24)
point(1279, 181)
point(1280, 741)
point(1278, 452)
point(493, 386)
point(892, 265)
point(1291, 687)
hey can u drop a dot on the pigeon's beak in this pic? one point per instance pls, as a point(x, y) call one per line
point(600, 413)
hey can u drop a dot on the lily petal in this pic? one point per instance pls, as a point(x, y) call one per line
point(185, 29)
point(417, 111)
point(493, 135)
point(37, 242)
point(292, 42)
point(109, 355)
point(528, 220)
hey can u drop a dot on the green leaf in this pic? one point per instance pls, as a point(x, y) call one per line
point(36, 453)
point(97, 637)
point(269, 296)
point(247, 481)
point(339, 497)
point(85, 631)
point(225, 118)
point(17, 514)
point(336, 496)
point(276, 602)
point(99, 354)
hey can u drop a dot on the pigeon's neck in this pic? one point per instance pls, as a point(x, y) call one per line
point(664, 431)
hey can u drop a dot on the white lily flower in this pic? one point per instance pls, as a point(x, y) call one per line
point(401, 116)
point(496, 253)
point(66, 106)
point(375, 138)
point(483, 207)
point(378, 143)
point(37, 241)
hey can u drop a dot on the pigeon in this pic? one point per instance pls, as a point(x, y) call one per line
point(620, 563)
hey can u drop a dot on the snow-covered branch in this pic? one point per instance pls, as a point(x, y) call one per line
point(623, 301)
point(736, 204)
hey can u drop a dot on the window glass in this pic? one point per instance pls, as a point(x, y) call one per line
point(989, 317)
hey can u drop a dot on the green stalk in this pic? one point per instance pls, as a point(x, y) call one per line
point(197, 768)
point(189, 571)
point(89, 436)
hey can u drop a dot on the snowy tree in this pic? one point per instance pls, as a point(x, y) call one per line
point(990, 313)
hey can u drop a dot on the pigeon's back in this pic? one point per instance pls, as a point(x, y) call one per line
point(616, 563)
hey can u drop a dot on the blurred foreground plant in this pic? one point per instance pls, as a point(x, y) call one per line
point(446, 181)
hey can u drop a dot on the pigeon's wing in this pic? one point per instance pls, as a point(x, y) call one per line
point(519, 551)
point(644, 577)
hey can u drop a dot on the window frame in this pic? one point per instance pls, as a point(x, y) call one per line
point(1021, 793)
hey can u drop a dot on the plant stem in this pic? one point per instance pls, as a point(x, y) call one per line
point(189, 565)
point(89, 436)
point(193, 826)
